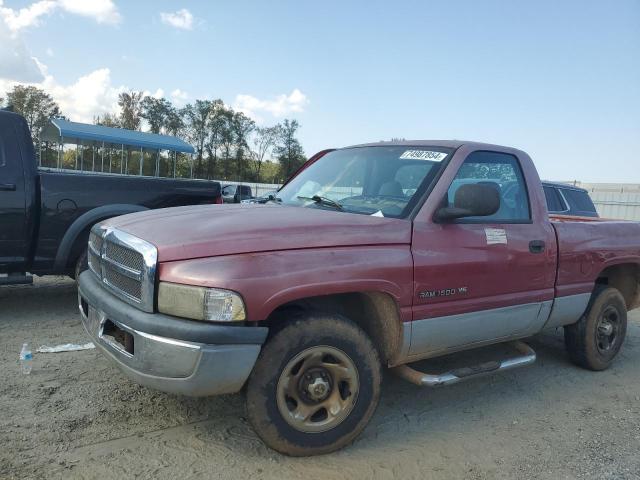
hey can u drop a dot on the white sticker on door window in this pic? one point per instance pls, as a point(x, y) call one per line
point(423, 155)
point(495, 235)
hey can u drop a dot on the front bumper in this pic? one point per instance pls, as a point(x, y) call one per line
point(169, 353)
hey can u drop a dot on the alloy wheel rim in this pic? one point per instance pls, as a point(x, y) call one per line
point(317, 389)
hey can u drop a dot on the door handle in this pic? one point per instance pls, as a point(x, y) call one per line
point(8, 187)
point(536, 246)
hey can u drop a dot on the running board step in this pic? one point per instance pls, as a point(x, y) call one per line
point(527, 357)
point(16, 279)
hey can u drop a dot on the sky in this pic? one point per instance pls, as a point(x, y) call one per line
point(560, 80)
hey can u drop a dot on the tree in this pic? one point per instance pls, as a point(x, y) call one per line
point(215, 126)
point(174, 122)
point(196, 119)
point(131, 108)
point(226, 141)
point(107, 120)
point(35, 105)
point(263, 142)
point(156, 112)
point(242, 126)
point(288, 150)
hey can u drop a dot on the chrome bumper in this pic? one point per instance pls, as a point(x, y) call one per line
point(174, 365)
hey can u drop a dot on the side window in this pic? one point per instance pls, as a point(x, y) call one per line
point(555, 204)
point(502, 172)
point(580, 200)
point(228, 190)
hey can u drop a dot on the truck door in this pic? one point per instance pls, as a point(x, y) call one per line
point(479, 279)
point(13, 244)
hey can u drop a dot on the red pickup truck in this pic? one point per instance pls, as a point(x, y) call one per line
point(371, 256)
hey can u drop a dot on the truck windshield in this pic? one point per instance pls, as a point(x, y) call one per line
point(384, 181)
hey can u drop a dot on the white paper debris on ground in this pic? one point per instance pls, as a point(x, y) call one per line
point(67, 347)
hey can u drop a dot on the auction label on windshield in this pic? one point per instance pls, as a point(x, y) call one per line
point(423, 155)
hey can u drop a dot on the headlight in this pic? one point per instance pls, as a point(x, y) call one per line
point(200, 303)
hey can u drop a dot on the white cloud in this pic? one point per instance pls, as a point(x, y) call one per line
point(16, 62)
point(159, 93)
point(91, 94)
point(182, 19)
point(279, 107)
point(27, 16)
point(179, 97)
point(102, 11)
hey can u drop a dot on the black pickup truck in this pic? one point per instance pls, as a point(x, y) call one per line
point(46, 215)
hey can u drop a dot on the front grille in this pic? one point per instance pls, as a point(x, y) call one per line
point(95, 241)
point(94, 263)
point(125, 264)
point(124, 256)
point(94, 252)
point(129, 286)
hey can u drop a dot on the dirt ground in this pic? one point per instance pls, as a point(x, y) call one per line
point(76, 416)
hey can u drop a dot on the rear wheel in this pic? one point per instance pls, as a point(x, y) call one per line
point(315, 386)
point(596, 339)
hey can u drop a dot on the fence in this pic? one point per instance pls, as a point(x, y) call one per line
point(615, 200)
point(257, 189)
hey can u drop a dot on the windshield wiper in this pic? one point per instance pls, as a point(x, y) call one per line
point(322, 201)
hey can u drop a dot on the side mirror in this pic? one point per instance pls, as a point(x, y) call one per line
point(471, 200)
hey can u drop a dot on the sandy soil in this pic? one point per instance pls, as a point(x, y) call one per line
point(76, 416)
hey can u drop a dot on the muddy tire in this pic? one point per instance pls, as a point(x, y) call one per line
point(595, 340)
point(82, 264)
point(314, 387)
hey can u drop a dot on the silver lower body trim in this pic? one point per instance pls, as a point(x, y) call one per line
point(169, 365)
point(567, 310)
point(441, 335)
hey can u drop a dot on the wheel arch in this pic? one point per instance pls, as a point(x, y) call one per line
point(377, 313)
point(625, 277)
point(69, 245)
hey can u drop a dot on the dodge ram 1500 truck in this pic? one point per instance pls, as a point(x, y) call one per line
point(46, 215)
point(370, 256)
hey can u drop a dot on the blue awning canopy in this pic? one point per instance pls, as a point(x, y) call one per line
point(59, 130)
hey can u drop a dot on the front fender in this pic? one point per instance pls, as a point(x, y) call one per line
point(268, 280)
point(85, 221)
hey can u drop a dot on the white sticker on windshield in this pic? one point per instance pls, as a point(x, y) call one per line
point(423, 155)
point(495, 235)
point(377, 214)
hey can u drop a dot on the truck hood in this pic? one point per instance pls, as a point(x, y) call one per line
point(184, 233)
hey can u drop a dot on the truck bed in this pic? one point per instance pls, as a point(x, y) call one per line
point(588, 246)
point(67, 195)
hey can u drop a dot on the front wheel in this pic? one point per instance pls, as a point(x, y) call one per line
point(314, 387)
point(595, 340)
